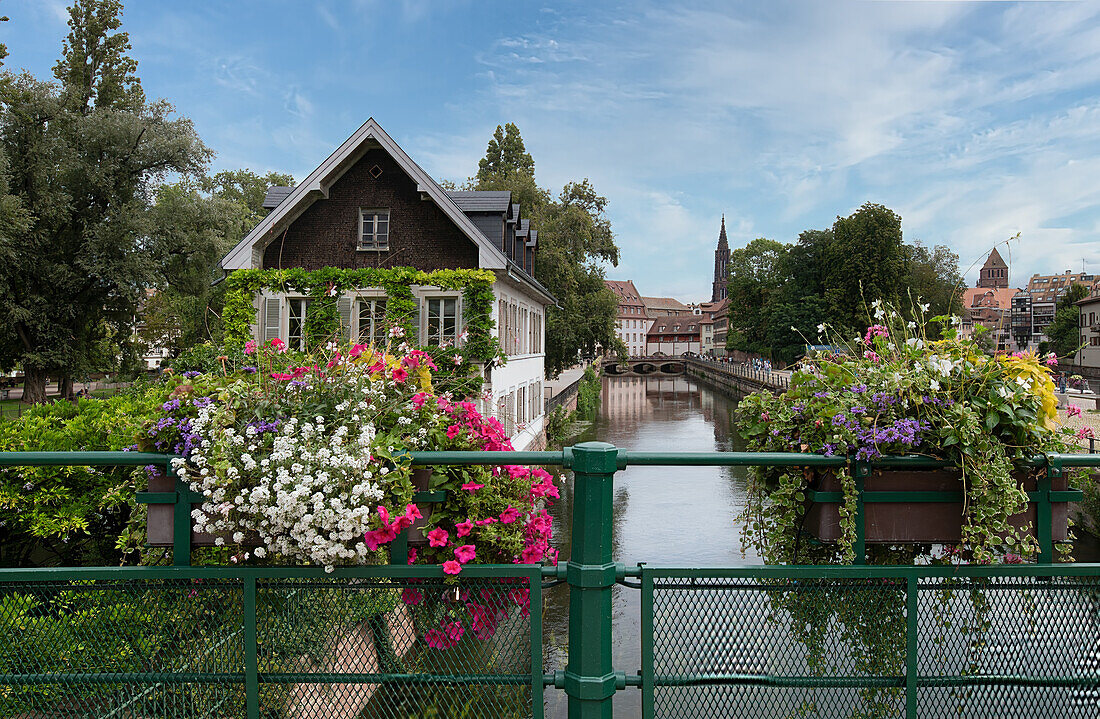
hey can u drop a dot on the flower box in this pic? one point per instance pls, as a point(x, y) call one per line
point(918, 522)
point(160, 527)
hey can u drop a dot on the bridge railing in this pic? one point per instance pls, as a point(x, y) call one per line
point(765, 378)
point(183, 641)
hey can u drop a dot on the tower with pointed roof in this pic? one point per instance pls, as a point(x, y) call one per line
point(721, 265)
point(994, 273)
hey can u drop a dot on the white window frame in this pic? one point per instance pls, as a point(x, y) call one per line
point(290, 303)
point(425, 305)
point(373, 297)
point(373, 244)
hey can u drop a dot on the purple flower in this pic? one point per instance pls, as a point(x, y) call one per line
point(249, 370)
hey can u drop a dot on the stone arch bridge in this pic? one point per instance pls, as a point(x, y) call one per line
point(645, 366)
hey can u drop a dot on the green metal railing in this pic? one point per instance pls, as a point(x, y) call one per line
point(777, 640)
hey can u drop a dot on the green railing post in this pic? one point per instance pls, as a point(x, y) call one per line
point(251, 661)
point(589, 677)
point(181, 522)
point(1044, 528)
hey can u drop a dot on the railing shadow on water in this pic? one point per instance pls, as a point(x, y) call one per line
point(188, 641)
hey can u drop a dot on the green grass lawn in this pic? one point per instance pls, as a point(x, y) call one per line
point(12, 408)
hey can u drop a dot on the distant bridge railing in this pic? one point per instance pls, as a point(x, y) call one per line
point(771, 379)
point(837, 641)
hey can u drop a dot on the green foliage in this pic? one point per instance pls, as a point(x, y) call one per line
point(84, 158)
point(588, 395)
point(575, 241)
point(1064, 330)
point(505, 154)
point(780, 294)
point(70, 516)
point(893, 393)
point(323, 319)
point(863, 262)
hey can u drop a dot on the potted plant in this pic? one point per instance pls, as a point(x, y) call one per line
point(895, 391)
point(307, 462)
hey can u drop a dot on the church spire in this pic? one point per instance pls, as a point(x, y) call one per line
point(721, 265)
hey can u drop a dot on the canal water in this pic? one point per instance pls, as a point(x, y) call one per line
point(669, 516)
point(666, 516)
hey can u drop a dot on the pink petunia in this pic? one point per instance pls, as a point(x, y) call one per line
point(451, 567)
point(412, 555)
point(465, 553)
point(438, 537)
point(419, 399)
point(464, 528)
point(532, 555)
point(453, 431)
point(399, 375)
point(516, 472)
point(436, 639)
point(487, 520)
point(509, 515)
point(472, 486)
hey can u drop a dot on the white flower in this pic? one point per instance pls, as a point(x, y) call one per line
point(933, 384)
point(880, 313)
point(923, 308)
point(821, 328)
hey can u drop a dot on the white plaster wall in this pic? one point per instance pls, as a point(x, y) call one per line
point(521, 370)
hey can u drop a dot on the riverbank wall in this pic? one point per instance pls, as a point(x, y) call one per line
point(735, 377)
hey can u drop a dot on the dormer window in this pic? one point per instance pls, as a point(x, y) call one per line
point(374, 229)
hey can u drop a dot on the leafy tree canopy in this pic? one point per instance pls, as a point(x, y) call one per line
point(85, 156)
point(1064, 329)
point(575, 241)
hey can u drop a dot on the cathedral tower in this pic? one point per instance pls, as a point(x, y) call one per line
point(994, 273)
point(721, 265)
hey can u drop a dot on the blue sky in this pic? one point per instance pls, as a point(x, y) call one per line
point(974, 121)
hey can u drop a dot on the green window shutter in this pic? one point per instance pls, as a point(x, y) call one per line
point(343, 305)
point(271, 318)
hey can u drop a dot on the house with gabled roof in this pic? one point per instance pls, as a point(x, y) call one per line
point(368, 204)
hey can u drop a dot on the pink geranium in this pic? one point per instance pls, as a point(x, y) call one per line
point(1073, 410)
point(249, 347)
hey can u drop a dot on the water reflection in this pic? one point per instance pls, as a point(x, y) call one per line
point(673, 516)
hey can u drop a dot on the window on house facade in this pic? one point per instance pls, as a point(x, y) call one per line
point(374, 229)
point(372, 320)
point(296, 323)
point(442, 320)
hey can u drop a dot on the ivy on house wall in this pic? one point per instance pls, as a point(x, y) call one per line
point(325, 286)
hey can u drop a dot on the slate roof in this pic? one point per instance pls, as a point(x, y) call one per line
point(675, 325)
point(275, 195)
point(482, 200)
point(666, 304)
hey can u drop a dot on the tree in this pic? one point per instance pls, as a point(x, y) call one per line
point(575, 239)
point(84, 160)
point(932, 278)
point(863, 262)
point(194, 224)
point(1064, 330)
point(756, 272)
point(505, 155)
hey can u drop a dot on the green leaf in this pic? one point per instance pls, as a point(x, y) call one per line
point(991, 420)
